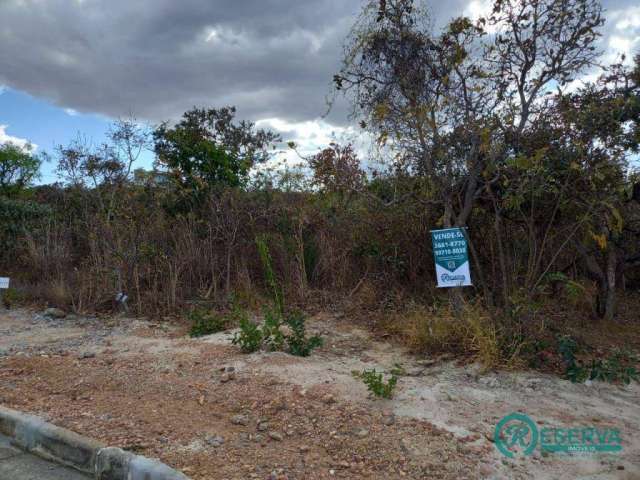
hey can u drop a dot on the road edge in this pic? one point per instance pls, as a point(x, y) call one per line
point(34, 435)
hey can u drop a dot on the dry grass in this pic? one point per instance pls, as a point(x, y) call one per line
point(433, 331)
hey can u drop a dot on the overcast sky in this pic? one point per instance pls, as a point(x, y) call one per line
point(273, 59)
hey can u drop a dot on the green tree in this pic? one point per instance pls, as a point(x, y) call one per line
point(603, 122)
point(18, 169)
point(206, 148)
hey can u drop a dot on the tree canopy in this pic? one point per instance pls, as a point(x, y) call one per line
point(19, 167)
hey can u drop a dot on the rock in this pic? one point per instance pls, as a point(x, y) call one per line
point(225, 377)
point(240, 420)
point(277, 436)
point(278, 405)
point(414, 372)
point(388, 420)
point(405, 444)
point(328, 399)
point(486, 470)
point(491, 382)
point(215, 441)
point(278, 475)
point(304, 448)
point(427, 363)
point(54, 313)
point(361, 432)
point(84, 355)
point(263, 426)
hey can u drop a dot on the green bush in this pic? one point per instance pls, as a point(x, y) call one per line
point(298, 344)
point(375, 382)
point(249, 338)
point(11, 297)
point(272, 336)
point(204, 322)
point(18, 217)
point(619, 367)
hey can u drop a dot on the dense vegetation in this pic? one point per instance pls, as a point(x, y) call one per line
point(482, 125)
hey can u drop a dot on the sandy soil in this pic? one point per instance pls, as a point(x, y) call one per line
point(148, 388)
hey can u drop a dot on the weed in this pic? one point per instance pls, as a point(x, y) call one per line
point(249, 338)
point(269, 275)
point(271, 334)
point(375, 382)
point(619, 367)
point(298, 344)
point(204, 322)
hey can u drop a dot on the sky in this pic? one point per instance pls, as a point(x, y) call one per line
point(70, 67)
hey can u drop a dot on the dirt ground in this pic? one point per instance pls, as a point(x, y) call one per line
point(148, 388)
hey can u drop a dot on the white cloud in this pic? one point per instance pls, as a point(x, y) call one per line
point(20, 142)
point(625, 36)
point(626, 19)
point(71, 112)
point(310, 137)
point(478, 8)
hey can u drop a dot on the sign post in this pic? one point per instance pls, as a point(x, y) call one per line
point(452, 258)
point(4, 284)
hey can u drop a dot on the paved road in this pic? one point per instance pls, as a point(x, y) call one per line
point(17, 465)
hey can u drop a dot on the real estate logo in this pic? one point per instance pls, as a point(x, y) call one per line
point(518, 435)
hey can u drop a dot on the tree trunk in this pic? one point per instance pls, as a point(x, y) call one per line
point(610, 297)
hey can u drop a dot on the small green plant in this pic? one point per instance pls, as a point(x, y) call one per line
point(298, 344)
point(375, 382)
point(249, 338)
point(204, 322)
point(619, 367)
point(271, 333)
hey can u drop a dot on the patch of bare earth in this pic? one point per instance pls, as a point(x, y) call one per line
point(145, 387)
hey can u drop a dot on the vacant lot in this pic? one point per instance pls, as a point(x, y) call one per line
point(149, 388)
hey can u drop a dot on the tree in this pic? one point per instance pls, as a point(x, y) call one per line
point(337, 169)
point(206, 148)
point(603, 121)
point(104, 170)
point(18, 168)
point(456, 106)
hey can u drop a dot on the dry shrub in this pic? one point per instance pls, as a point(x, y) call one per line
point(439, 330)
point(365, 294)
point(55, 293)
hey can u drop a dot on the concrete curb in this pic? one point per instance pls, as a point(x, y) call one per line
point(62, 446)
